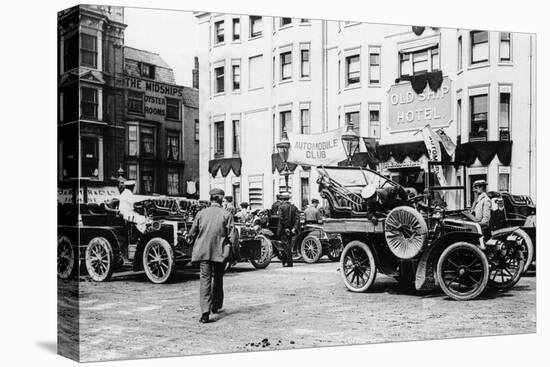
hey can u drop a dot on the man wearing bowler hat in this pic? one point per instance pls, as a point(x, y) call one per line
point(481, 209)
point(213, 233)
point(288, 226)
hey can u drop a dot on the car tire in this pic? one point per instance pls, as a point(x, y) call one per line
point(311, 249)
point(357, 266)
point(158, 260)
point(67, 262)
point(99, 259)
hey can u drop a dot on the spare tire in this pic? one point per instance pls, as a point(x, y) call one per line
point(406, 232)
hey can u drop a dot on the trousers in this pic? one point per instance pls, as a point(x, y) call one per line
point(211, 285)
point(287, 245)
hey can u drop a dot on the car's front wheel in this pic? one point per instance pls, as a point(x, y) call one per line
point(158, 260)
point(357, 266)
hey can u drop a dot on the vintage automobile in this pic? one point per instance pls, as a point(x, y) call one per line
point(310, 244)
point(92, 233)
point(387, 234)
point(251, 247)
point(517, 211)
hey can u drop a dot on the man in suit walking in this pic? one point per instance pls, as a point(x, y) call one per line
point(213, 233)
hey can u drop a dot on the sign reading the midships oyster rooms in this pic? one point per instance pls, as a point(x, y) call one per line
point(410, 111)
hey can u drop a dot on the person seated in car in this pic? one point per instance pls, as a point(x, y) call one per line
point(481, 209)
point(126, 205)
point(243, 215)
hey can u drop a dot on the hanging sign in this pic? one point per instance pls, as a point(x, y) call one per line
point(410, 111)
point(434, 152)
point(323, 149)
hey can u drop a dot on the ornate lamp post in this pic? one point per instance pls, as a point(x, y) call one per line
point(283, 147)
point(350, 140)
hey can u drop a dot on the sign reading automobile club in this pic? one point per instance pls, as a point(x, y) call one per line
point(410, 111)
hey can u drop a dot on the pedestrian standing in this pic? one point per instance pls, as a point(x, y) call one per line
point(229, 206)
point(312, 213)
point(275, 206)
point(288, 226)
point(213, 233)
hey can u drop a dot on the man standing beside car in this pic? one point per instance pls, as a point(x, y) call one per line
point(213, 233)
point(288, 225)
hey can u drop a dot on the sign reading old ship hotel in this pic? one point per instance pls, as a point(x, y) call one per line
point(263, 75)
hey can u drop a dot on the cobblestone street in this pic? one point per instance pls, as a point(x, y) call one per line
point(279, 308)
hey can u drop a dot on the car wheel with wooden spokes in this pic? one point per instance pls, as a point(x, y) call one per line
point(462, 271)
point(505, 270)
point(99, 259)
point(158, 260)
point(357, 266)
point(67, 264)
point(311, 249)
point(266, 253)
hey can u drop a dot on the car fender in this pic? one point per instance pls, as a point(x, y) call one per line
point(425, 271)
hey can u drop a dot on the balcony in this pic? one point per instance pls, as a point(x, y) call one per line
point(478, 136)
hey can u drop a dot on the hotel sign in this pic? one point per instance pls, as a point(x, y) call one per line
point(411, 111)
point(154, 96)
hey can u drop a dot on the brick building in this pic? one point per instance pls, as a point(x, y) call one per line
point(160, 126)
point(90, 113)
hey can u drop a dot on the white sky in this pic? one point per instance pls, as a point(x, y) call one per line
point(170, 33)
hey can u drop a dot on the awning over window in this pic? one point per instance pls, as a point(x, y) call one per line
point(225, 165)
point(419, 82)
point(485, 151)
point(277, 163)
point(413, 150)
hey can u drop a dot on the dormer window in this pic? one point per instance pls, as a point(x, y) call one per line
point(147, 70)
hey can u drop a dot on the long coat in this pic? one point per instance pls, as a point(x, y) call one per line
point(212, 229)
point(482, 209)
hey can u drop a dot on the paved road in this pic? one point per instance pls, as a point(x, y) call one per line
point(279, 308)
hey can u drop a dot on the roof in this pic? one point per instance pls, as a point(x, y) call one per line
point(191, 97)
point(145, 56)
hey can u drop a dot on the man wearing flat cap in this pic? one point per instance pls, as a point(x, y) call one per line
point(288, 226)
point(481, 209)
point(212, 232)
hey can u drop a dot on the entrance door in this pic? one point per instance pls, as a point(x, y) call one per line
point(474, 178)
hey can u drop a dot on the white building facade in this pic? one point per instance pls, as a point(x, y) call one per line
point(260, 75)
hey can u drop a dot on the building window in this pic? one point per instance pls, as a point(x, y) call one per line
point(504, 182)
point(219, 139)
point(70, 103)
point(173, 146)
point(285, 22)
point(236, 137)
point(256, 26)
point(219, 74)
point(89, 104)
point(236, 194)
point(480, 46)
point(236, 71)
point(304, 63)
point(374, 65)
point(274, 77)
point(285, 119)
point(459, 61)
point(90, 157)
point(419, 62)
point(236, 29)
point(173, 182)
point(147, 70)
point(70, 53)
point(505, 49)
point(286, 65)
point(147, 136)
point(305, 124)
point(132, 171)
point(304, 191)
point(256, 76)
point(173, 108)
point(88, 50)
point(478, 117)
point(135, 102)
point(219, 31)
point(353, 70)
point(197, 130)
point(458, 120)
point(504, 116)
point(374, 121)
point(147, 180)
point(305, 20)
point(132, 141)
point(352, 118)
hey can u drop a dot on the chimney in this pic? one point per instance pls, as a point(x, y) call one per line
point(196, 73)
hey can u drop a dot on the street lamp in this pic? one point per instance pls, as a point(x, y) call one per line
point(283, 147)
point(350, 140)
